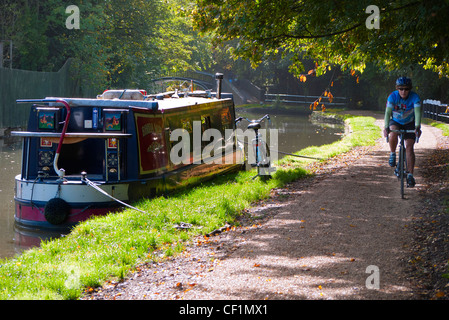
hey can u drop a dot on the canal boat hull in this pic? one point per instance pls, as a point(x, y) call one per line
point(108, 153)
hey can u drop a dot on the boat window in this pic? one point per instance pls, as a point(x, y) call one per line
point(113, 121)
point(226, 119)
point(186, 125)
point(87, 155)
point(47, 120)
point(205, 123)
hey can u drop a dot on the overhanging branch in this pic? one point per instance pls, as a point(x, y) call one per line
point(292, 36)
point(311, 36)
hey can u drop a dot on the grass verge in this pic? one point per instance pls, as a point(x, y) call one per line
point(110, 247)
point(444, 127)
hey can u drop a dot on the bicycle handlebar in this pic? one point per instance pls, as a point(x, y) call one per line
point(254, 124)
point(258, 121)
point(402, 131)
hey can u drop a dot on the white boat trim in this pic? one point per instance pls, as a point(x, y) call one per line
point(71, 191)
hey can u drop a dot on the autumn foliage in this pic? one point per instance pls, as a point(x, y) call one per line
point(327, 94)
point(332, 32)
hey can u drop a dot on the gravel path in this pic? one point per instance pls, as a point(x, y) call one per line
point(313, 239)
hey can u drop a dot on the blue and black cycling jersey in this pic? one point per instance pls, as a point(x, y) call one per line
point(404, 111)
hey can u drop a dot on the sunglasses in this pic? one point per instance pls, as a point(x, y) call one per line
point(404, 89)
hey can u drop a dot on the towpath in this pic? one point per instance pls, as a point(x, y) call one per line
point(315, 240)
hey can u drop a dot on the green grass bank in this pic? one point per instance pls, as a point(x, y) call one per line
point(444, 127)
point(110, 247)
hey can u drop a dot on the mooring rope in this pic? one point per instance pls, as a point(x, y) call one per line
point(286, 153)
point(93, 185)
point(299, 156)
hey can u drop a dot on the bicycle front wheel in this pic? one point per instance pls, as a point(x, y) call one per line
point(402, 170)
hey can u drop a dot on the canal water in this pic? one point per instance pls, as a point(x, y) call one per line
point(10, 162)
point(295, 132)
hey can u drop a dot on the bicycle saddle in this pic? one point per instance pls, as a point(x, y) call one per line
point(254, 125)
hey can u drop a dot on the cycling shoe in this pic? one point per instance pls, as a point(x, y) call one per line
point(410, 181)
point(392, 160)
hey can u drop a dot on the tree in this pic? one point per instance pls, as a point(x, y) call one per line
point(179, 44)
point(119, 44)
point(332, 32)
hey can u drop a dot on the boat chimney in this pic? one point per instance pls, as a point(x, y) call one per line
point(219, 78)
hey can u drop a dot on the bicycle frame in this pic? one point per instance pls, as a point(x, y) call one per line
point(401, 165)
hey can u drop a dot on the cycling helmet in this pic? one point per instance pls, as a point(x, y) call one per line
point(404, 82)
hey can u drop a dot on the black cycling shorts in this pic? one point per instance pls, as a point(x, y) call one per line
point(408, 126)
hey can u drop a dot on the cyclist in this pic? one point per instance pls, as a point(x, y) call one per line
point(403, 111)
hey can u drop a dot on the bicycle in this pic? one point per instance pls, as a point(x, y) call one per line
point(401, 165)
point(260, 147)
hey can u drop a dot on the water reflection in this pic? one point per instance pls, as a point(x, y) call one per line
point(10, 163)
point(295, 132)
point(26, 239)
point(14, 240)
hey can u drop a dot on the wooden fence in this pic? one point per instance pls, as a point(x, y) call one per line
point(435, 110)
point(299, 99)
point(23, 84)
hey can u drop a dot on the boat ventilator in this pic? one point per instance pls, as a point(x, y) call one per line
point(96, 187)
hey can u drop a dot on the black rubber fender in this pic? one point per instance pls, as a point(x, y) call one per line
point(56, 211)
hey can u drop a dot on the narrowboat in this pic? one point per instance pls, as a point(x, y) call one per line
point(87, 157)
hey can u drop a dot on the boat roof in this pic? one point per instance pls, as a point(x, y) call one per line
point(88, 102)
point(155, 105)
